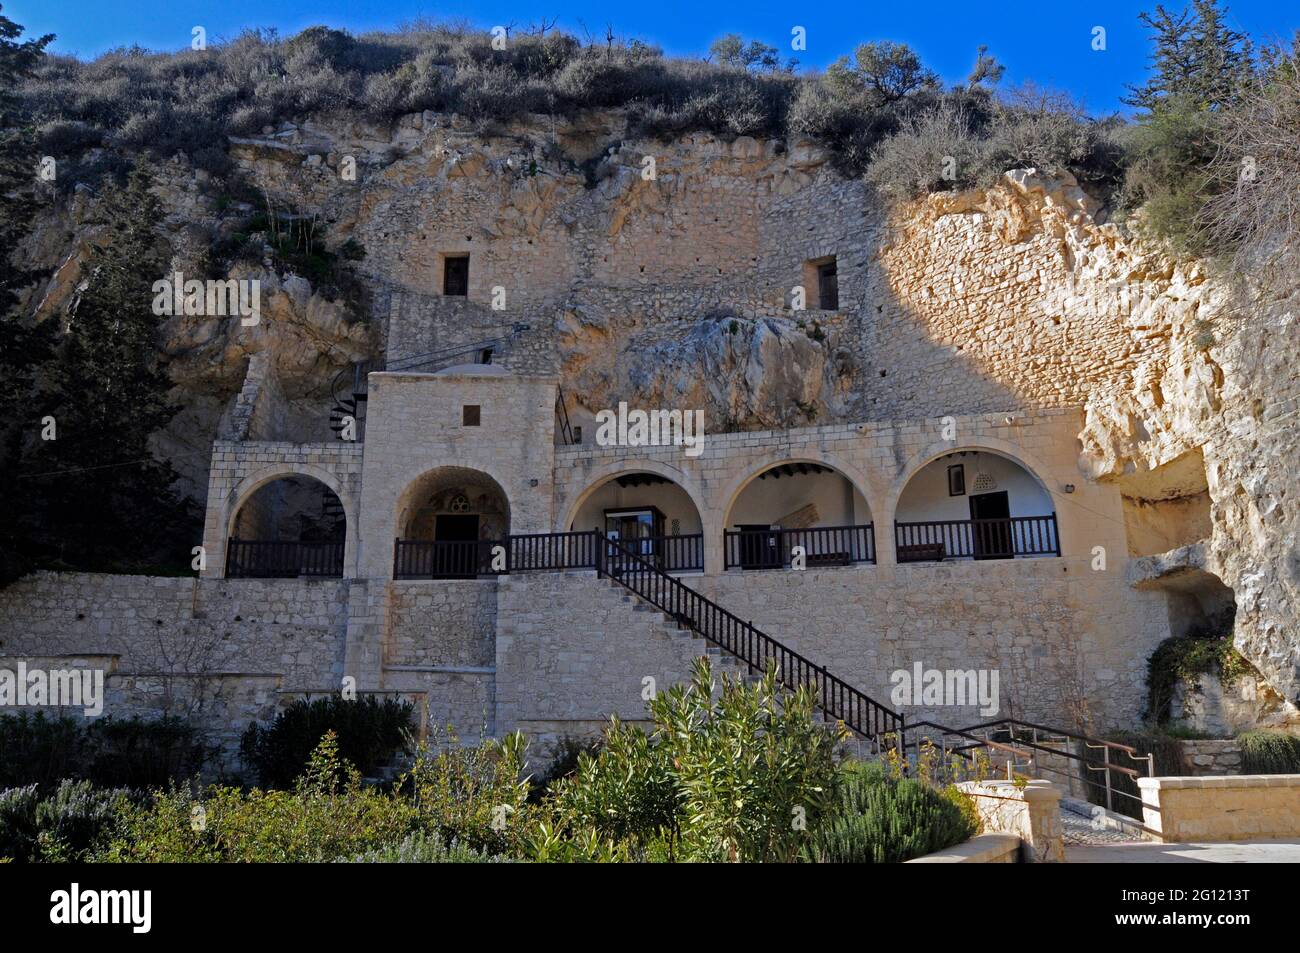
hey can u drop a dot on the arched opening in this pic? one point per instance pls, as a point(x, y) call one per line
point(798, 510)
point(974, 504)
point(288, 527)
point(648, 514)
point(448, 522)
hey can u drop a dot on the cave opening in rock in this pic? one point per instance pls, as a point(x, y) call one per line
point(1167, 507)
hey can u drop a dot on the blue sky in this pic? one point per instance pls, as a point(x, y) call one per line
point(1047, 42)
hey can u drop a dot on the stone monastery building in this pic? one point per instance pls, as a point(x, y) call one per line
point(475, 549)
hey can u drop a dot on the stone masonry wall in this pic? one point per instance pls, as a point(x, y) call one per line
point(227, 652)
point(1067, 642)
point(573, 650)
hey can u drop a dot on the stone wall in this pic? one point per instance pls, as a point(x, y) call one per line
point(416, 425)
point(1031, 811)
point(573, 649)
point(442, 642)
point(1210, 757)
point(227, 652)
point(1245, 807)
point(239, 469)
point(224, 652)
point(1068, 643)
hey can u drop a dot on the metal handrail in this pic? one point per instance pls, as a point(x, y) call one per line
point(859, 538)
point(413, 361)
point(755, 648)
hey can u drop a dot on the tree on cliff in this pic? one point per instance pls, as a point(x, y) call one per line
point(24, 346)
point(107, 500)
point(1200, 68)
point(1199, 62)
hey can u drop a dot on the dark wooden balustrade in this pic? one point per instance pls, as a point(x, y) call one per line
point(272, 559)
point(935, 540)
point(823, 546)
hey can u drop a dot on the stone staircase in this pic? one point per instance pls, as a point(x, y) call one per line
point(721, 661)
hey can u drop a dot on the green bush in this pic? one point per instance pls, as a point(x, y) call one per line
point(739, 778)
point(370, 732)
point(562, 762)
point(66, 826)
point(328, 815)
point(166, 103)
point(1269, 752)
point(1182, 658)
point(877, 819)
point(422, 848)
point(475, 796)
point(130, 752)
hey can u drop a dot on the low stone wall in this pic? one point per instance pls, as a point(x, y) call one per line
point(1244, 807)
point(1203, 757)
point(222, 653)
point(444, 622)
point(1031, 811)
point(991, 848)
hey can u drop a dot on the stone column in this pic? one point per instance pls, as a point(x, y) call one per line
point(1032, 811)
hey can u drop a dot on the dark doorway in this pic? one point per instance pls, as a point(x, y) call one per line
point(991, 529)
point(455, 276)
point(458, 551)
point(828, 286)
point(759, 548)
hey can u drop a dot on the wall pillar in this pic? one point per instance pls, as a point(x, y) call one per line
point(1031, 811)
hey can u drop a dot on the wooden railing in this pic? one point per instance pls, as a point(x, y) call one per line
point(263, 559)
point(836, 697)
point(535, 552)
point(670, 553)
point(542, 552)
point(823, 546)
point(935, 540)
point(441, 559)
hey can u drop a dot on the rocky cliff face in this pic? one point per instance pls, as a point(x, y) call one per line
point(670, 283)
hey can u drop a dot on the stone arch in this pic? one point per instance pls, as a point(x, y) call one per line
point(856, 478)
point(1012, 453)
point(823, 516)
point(244, 491)
point(278, 471)
point(579, 495)
point(446, 479)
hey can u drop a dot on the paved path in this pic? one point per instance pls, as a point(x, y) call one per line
point(1245, 852)
point(1090, 843)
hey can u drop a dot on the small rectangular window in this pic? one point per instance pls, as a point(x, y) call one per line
point(828, 286)
point(470, 415)
point(455, 275)
point(957, 480)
